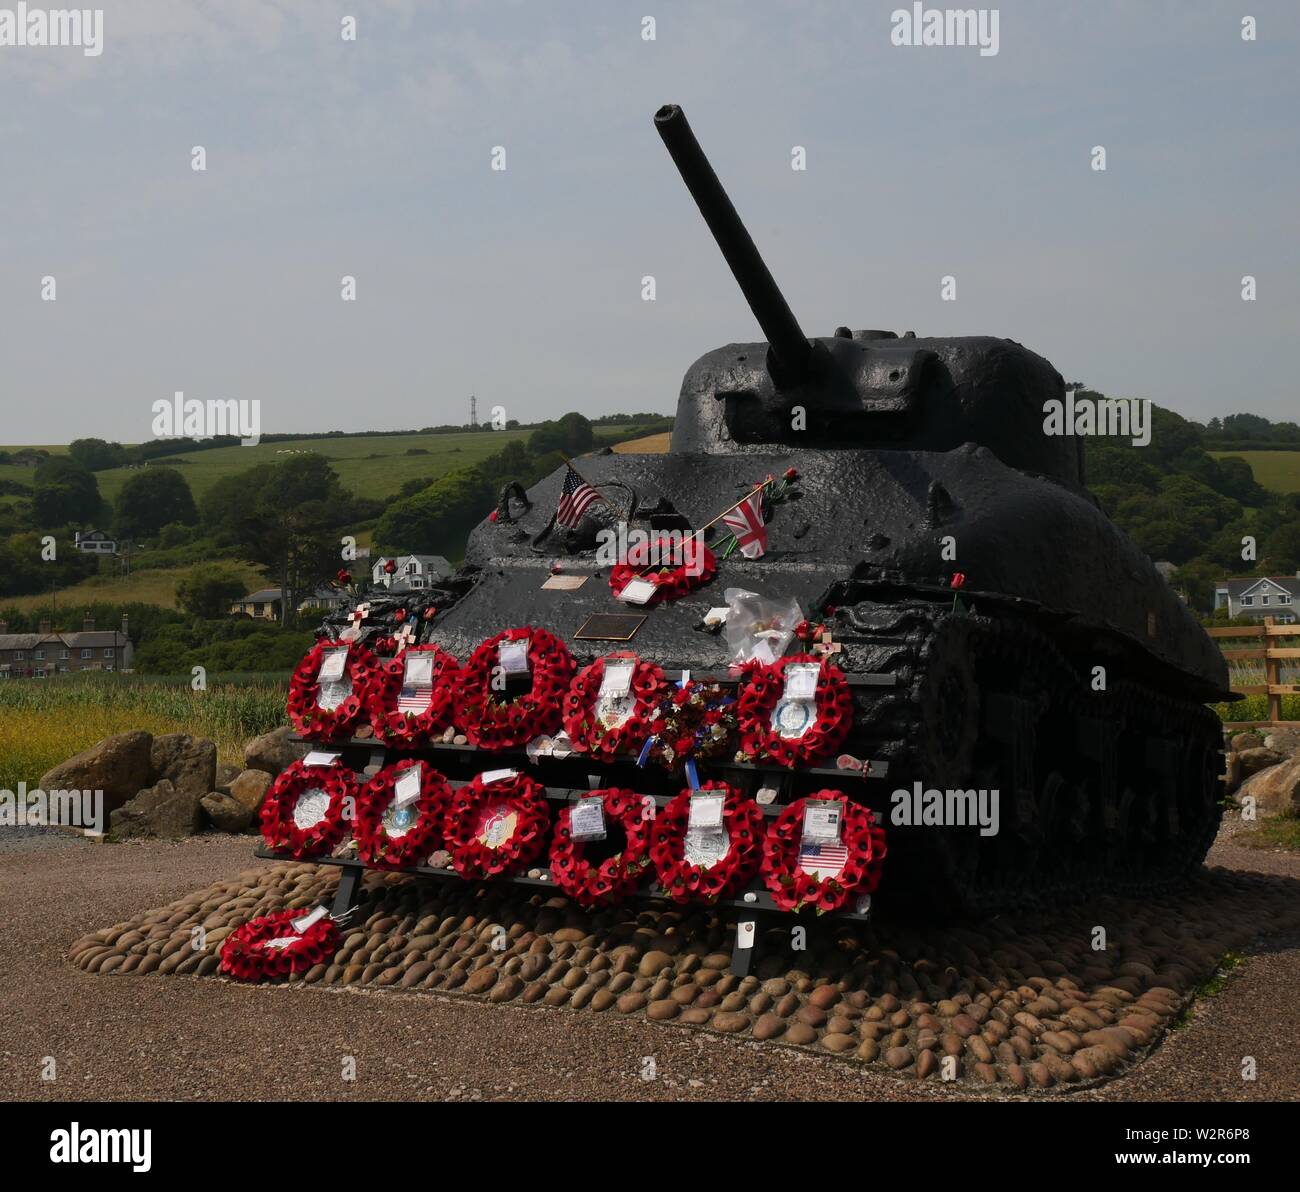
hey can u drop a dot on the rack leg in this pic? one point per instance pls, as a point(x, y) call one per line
point(742, 951)
point(346, 896)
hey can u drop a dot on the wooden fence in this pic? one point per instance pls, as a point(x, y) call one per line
point(1271, 656)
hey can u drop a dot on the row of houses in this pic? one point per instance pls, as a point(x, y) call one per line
point(51, 652)
point(411, 573)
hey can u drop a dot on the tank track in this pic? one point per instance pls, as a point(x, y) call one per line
point(1100, 791)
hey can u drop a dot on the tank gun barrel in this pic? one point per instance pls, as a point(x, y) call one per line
point(790, 347)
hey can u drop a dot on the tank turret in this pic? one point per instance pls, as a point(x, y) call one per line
point(852, 388)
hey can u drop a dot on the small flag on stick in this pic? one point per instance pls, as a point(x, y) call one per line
point(745, 521)
point(575, 497)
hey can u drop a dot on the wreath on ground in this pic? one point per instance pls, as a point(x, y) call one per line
point(696, 721)
point(602, 872)
point(407, 728)
point(583, 714)
point(682, 879)
point(492, 720)
point(788, 869)
point(831, 717)
point(253, 952)
point(391, 837)
point(497, 828)
point(671, 580)
point(319, 825)
point(334, 723)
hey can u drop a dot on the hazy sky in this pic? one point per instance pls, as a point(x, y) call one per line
point(328, 158)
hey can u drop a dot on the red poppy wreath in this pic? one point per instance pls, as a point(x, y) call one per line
point(606, 726)
point(308, 808)
point(490, 716)
point(270, 946)
point(327, 707)
point(673, 568)
point(399, 819)
point(792, 732)
point(822, 875)
point(713, 866)
point(408, 704)
point(601, 872)
point(494, 829)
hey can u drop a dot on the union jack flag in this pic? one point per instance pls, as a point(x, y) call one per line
point(576, 495)
point(745, 521)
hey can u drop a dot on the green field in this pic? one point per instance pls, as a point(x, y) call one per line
point(1278, 471)
point(153, 586)
point(46, 721)
point(370, 465)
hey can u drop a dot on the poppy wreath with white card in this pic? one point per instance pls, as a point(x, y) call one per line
point(669, 580)
point(307, 810)
point(703, 866)
point(601, 872)
point(323, 707)
point(400, 814)
point(272, 946)
point(489, 716)
point(607, 721)
point(405, 715)
point(496, 828)
point(787, 730)
point(803, 871)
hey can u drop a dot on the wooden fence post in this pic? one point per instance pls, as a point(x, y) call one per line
point(1272, 677)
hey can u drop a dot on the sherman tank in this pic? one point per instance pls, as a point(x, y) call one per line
point(1062, 673)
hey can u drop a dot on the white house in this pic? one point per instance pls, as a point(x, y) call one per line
point(1259, 597)
point(96, 542)
point(410, 571)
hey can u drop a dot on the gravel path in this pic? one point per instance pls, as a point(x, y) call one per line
point(180, 1037)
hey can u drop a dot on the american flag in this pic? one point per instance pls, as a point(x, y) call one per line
point(745, 521)
point(576, 495)
point(414, 697)
point(823, 858)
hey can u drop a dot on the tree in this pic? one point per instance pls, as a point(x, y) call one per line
point(1282, 550)
point(228, 505)
point(64, 492)
point(291, 523)
point(153, 498)
point(208, 591)
point(572, 435)
point(95, 455)
point(439, 519)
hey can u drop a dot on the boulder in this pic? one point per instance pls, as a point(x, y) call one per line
point(159, 810)
point(1276, 790)
point(117, 765)
point(250, 789)
point(225, 813)
point(188, 763)
point(1255, 760)
point(271, 752)
point(226, 774)
point(1283, 740)
point(1242, 741)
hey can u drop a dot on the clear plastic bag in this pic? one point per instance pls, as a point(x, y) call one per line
point(759, 628)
